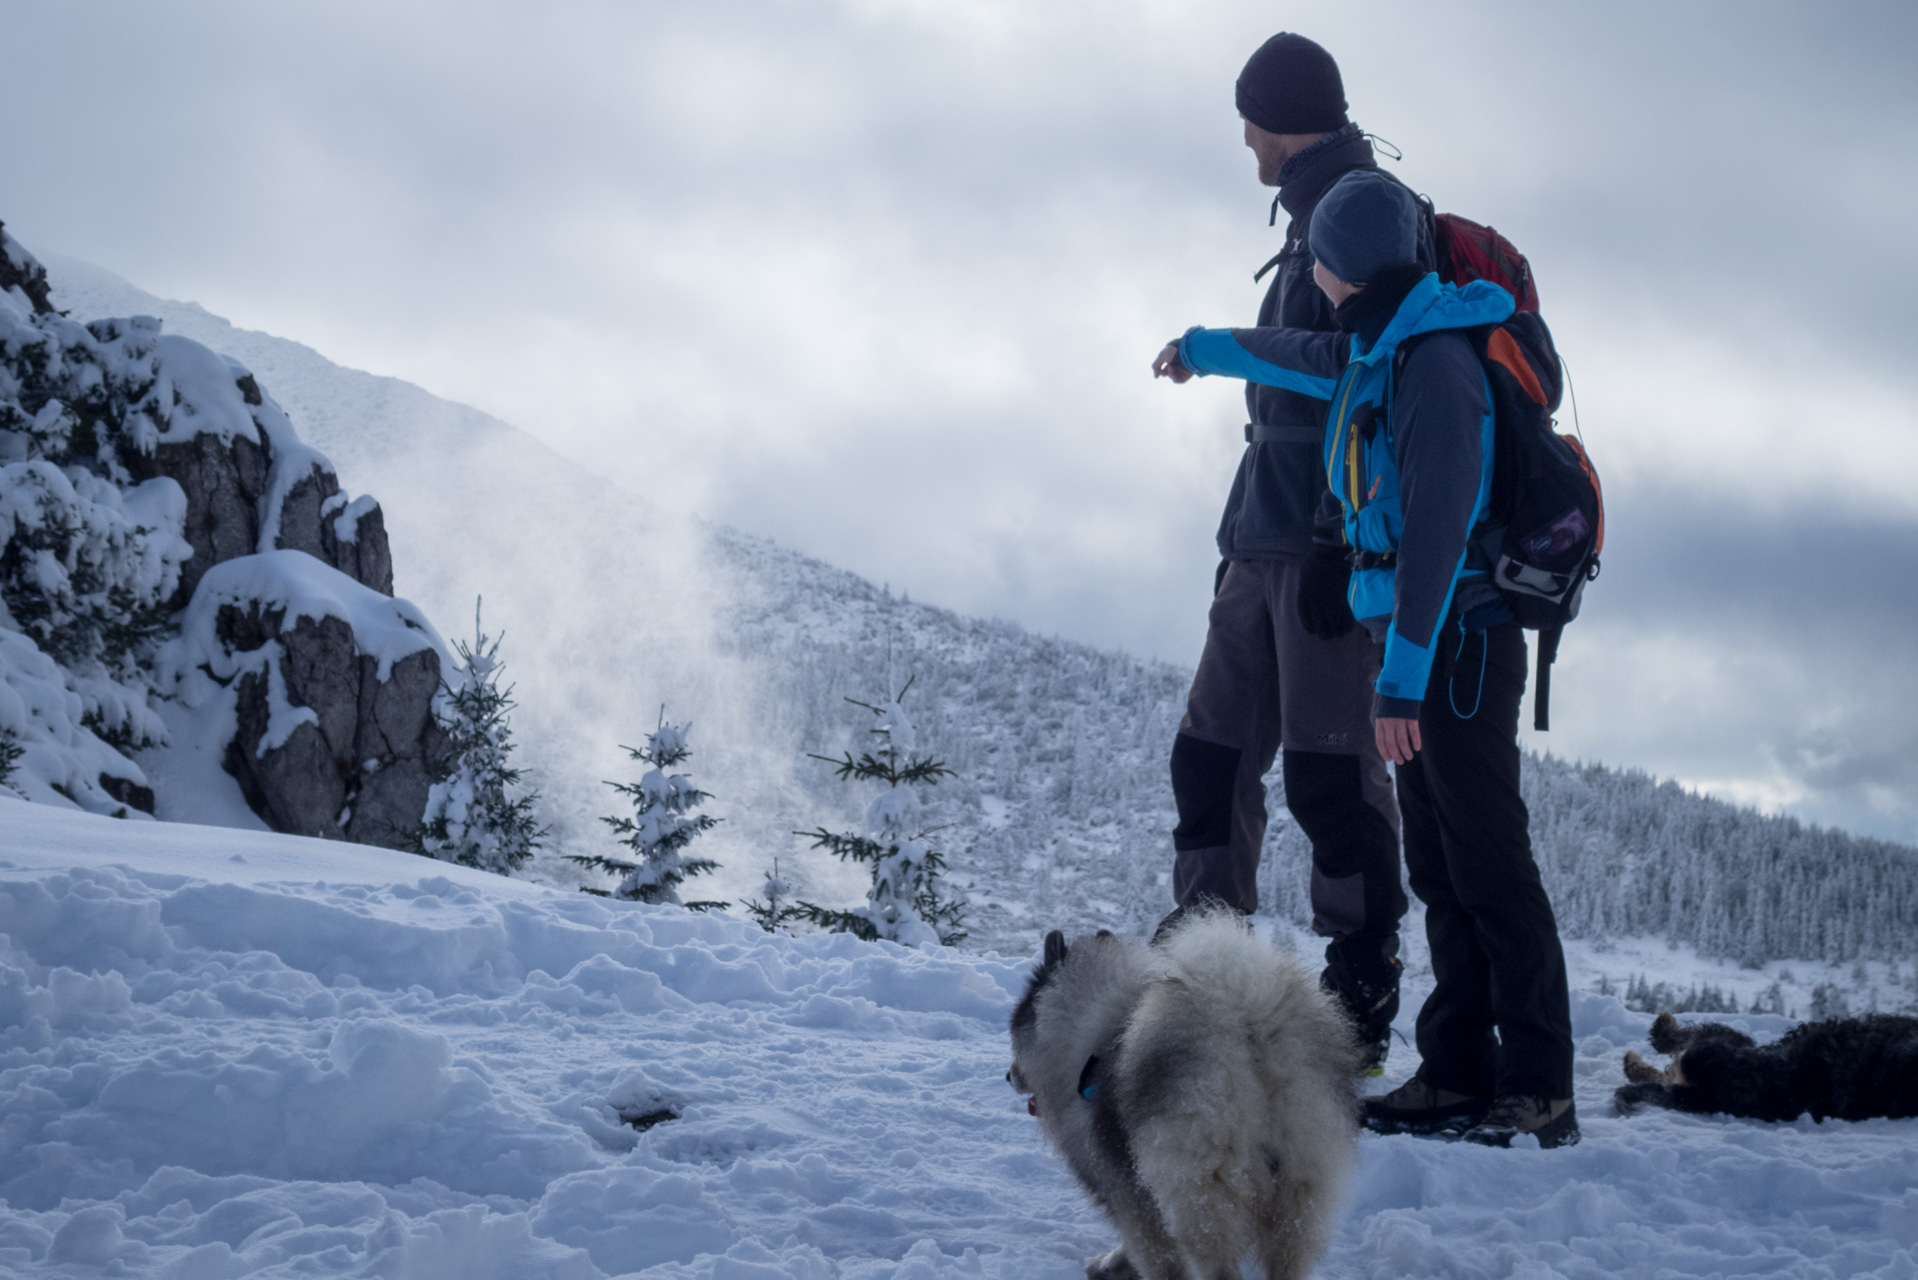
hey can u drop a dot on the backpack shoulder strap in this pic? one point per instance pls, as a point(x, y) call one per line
point(1477, 335)
point(1292, 245)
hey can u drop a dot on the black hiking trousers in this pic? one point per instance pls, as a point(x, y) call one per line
point(1468, 856)
point(1264, 683)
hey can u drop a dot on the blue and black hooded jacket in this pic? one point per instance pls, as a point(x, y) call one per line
point(1276, 495)
point(1407, 451)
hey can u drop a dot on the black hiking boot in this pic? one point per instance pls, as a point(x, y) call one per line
point(1554, 1122)
point(1365, 978)
point(1417, 1107)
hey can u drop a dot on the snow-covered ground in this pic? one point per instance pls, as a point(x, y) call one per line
point(228, 1053)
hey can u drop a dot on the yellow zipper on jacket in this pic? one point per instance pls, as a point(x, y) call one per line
point(1345, 441)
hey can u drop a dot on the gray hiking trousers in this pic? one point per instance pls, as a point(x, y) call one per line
point(1265, 682)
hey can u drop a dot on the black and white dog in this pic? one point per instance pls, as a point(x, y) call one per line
point(1203, 1090)
point(1841, 1068)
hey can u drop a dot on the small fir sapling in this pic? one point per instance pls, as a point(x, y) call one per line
point(471, 816)
point(11, 751)
point(662, 825)
point(776, 908)
point(909, 901)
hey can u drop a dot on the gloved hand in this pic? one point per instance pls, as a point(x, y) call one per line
point(1323, 611)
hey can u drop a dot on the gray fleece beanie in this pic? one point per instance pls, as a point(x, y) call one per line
point(1363, 225)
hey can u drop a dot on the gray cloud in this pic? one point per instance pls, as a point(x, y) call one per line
point(880, 279)
point(1764, 650)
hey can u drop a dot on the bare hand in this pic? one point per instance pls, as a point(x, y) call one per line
point(1398, 738)
point(1168, 366)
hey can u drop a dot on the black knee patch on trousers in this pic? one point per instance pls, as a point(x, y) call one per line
point(1350, 836)
point(1203, 776)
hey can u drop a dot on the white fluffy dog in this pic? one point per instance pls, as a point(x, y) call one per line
point(1202, 1089)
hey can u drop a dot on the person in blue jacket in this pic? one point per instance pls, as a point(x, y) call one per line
point(1408, 453)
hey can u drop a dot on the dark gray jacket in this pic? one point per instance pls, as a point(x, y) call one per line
point(1275, 495)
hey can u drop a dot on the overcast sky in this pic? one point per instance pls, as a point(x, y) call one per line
point(881, 279)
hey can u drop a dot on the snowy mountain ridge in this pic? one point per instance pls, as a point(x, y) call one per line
point(1059, 810)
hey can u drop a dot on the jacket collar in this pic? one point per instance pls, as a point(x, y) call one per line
point(1430, 306)
point(1367, 312)
point(1307, 175)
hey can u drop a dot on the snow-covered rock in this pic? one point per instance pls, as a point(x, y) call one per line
point(171, 549)
point(251, 484)
point(21, 276)
point(329, 688)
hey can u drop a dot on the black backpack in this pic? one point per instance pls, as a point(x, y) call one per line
point(1541, 538)
point(1546, 528)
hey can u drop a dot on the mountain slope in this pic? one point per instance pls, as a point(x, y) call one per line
point(1060, 810)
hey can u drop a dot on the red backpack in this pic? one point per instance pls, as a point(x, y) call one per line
point(1468, 251)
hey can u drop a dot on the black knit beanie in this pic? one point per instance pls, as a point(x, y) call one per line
point(1291, 85)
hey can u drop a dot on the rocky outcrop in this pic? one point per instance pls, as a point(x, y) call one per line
point(18, 270)
point(164, 530)
point(224, 482)
point(315, 517)
point(238, 484)
point(358, 764)
point(128, 792)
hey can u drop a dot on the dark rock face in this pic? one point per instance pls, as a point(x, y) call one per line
point(128, 792)
point(366, 557)
point(224, 482)
point(310, 516)
point(226, 486)
point(360, 768)
point(30, 278)
point(360, 771)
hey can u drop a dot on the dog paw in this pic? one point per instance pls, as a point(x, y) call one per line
point(1666, 1035)
point(1639, 1071)
point(1111, 1266)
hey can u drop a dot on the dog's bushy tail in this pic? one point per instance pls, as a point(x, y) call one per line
point(1282, 1070)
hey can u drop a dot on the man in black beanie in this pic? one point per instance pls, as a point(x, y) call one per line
point(1285, 664)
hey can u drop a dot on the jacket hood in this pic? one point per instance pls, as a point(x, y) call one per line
point(1432, 305)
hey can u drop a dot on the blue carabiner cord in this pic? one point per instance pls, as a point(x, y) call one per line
point(1451, 695)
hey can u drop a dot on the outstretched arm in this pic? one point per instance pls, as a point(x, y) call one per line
point(1297, 359)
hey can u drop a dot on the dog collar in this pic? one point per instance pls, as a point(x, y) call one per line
point(1088, 1087)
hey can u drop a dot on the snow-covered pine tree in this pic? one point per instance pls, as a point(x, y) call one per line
point(472, 817)
point(86, 567)
point(908, 902)
point(662, 825)
point(776, 908)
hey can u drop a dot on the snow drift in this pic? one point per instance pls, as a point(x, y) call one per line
point(231, 1053)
